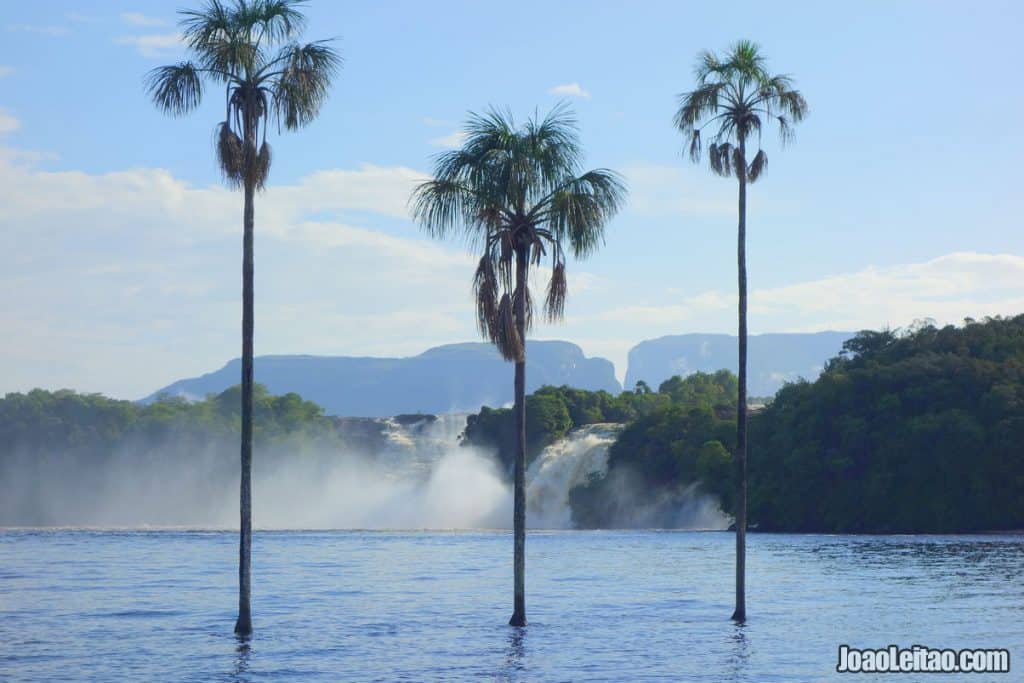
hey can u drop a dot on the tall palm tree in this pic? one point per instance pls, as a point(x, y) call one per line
point(249, 47)
point(736, 96)
point(517, 195)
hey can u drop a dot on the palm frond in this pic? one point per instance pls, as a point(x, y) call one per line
point(221, 39)
point(746, 61)
point(215, 21)
point(579, 210)
point(695, 145)
point(696, 105)
point(300, 88)
point(442, 206)
point(230, 55)
point(558, 291)
point(504, 334)
point(720, 156)
point(786, 104)
point(739, 163)
point(733, 93)
point(554, 148)
point(708, 64)
point(225, 39)
point(793, 104)
point(757, 166)
point(517, 190)
point(261, 166)
point(176, 89)
point(485, 293)
point(275, 20)
point(230, 155)
point(527, 306)
point(785, 129)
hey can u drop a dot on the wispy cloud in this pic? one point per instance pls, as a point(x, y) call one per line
point(451, 141)
point(570, 90)
point(154, 45)
point(430, 121)
point(947, 289)
point(139, 19)
point(47, 30)
point(8, 122)
point(176, 254)
point(6, 70)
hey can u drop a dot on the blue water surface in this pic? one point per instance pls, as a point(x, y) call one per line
point(433, 606)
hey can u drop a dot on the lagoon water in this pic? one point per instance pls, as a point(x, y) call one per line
point(432, 606)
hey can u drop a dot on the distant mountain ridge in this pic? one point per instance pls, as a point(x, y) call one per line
point(449, 378)
point(463, 377)
point(772, 359)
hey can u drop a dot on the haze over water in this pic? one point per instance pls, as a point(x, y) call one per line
point(414, 606)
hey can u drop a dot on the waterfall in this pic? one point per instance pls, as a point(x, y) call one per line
point(413, 444)
point(402, 472)
point(561, 466)
point(423, 450)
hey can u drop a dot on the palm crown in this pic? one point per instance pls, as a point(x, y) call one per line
point(248, 47)
point(736, 97)
point(518, 194)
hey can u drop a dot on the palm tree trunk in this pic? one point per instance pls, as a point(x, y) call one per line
point(741, 409)
point(243, 626)
point(519, 505)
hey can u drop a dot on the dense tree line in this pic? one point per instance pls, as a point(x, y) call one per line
point(915, 432)
point(657, 457)
point(919, 431)
point(66, 421)
point(677, 436)
point(554, 411)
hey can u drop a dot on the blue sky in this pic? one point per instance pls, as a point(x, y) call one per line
point(119, 249)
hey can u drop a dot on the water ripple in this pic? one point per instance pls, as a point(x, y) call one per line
point(422, 606)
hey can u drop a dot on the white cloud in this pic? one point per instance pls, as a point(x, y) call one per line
point(8, 123)
point(6, 70)
point(570, 90)
point(137, 273)
point(124, 281)
point(451, 141)
point(139, 19)
point(48, 30)
point(947, 289)
point(25, 156)
point(154, 45)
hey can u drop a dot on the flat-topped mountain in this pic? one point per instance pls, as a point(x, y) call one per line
point(449, 378)
point(772, 359)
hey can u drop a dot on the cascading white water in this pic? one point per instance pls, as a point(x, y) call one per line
point(424, 451)
point(561, 466)
point(419, 476)
point(414, 446)
point(407, 472)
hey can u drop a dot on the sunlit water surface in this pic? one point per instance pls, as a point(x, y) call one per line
point(426, 606)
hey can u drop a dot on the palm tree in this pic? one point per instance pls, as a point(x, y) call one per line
point(249, 48)
point(736, 96)
point(517, 195)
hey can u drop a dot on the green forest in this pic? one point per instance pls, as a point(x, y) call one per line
point(915, 432)
point(912, 431)
point(66, 422)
